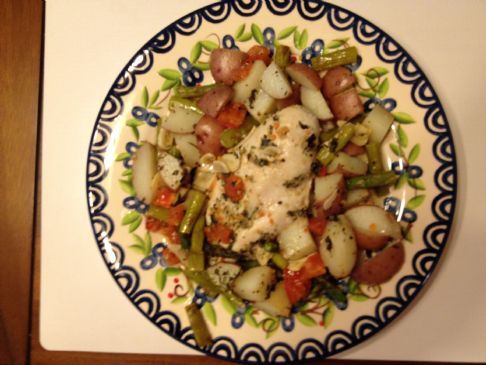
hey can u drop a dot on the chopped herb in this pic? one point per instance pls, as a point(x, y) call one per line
point(316, 167)
point(328, 243)
point(297, 213)
point(295, 182)
point(303, 126)
point(311, 142)
point(251, 100)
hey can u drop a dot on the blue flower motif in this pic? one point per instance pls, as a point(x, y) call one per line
point(154, 258)
point(191, 76)
point(131, 148)
point(140, 113)
point(229, 42)
point(354, 66)
point(288, 323)
point(388, 103)
point(401, 167)
point(238, 318)
point(312, 51)
point(133, 203)
point(200, 297)
point(394, 206)
point(269, 39)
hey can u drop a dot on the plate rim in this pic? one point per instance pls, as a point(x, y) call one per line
point(176, 28)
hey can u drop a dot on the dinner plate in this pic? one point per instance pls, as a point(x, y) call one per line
point(419, 149)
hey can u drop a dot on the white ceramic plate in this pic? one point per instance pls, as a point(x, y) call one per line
point(420, 150)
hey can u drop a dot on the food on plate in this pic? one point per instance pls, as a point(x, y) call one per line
point(264, 184)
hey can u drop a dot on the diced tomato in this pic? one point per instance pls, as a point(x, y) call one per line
point(234, 188)
point(317, 225)
point(313, 267)
point(244, 70)
point(219, 233)
point(171, 233)
point(152, 224)
point(259, 53)
point(232, 115)
point(165, 197)
point(295, 287)
point(170, 257)
point(176, 214)
point(323, 171)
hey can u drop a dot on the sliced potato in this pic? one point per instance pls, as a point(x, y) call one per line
point(187, 146)
point(224, 63)
point(314, 101)
point(338, 247)
point(254, 284)
point(347, 104)
point(355, 197)
point(144, 168)
point(260, 105)
point(277, 304)
point(181, 120)
point(304, 75)
point(275, 83)
point(373, 225)
point(337, 80)
point(328, 189)
point(347, 165)
point(295, 240)
point(292, 99)
point(244, 88)
point(215, 99)
point(382, 267)
point(223, 273)
point(170, 170)
point(379, 121)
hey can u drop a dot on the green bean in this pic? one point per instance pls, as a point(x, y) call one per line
point(279, 260)
point(335, 143)
point(202, 279)
point(195, 261)
point(375, 165)
point(162, 214)
point(185, 241)
point(188, 104)
point(371, 181)
point(198, 325)
point(194, 92)
point(282, 55)
point(196, 253)
point(194, 205)
point(338, 58)
point(232, 136)
point(327, 135)
point(270, 246)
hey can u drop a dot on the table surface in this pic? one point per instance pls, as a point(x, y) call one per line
point(21, 44)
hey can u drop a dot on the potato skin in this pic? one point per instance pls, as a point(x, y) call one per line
point(224, 63)
point(304, 75)
point(214, 100)
point(380, 268)
point(372, 242)
point(337, 80)
point(346, 105)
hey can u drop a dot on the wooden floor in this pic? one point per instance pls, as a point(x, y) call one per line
point(21, 34)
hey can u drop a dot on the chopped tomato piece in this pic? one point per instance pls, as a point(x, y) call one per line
point(171, 234)
point(295, 287)
point(165, 197)
point(259, 53)
point(219, 233)
point(244, 70)
point(170, 257)
point(152, 224)
point(232, 115)
point(176, 214)
point(234, 188)
point(317, 225)
point(313, 267)
point(323, 171)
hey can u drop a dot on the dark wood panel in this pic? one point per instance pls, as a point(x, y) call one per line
point(20, 45)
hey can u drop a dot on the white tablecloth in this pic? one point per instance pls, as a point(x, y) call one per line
point(89, 42)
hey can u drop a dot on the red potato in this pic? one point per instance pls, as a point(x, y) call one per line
point(214, 100)
point(208, 134)
point(353, 149)
point(225, 63)
point(337, 80)
point(346, 105)
point(373, 226)
point(290, 100)
point(304, 75)
point(380, 268)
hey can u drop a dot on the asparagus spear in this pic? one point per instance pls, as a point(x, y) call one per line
point(338, 58)
point(199, 326)
point(194, 205)
point(371, 181)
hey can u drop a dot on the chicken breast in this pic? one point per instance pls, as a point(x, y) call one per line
point(276, 160)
